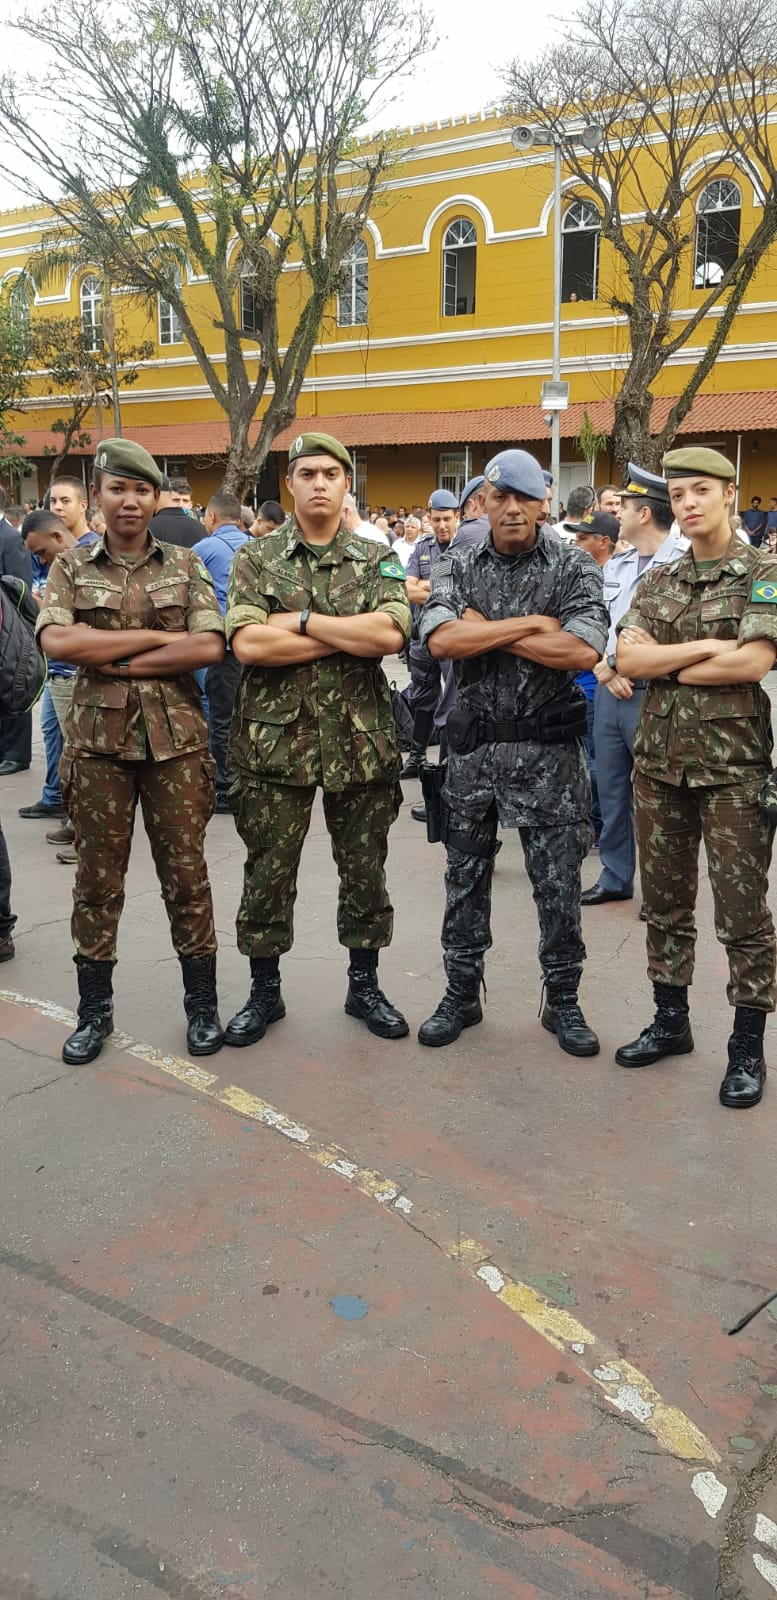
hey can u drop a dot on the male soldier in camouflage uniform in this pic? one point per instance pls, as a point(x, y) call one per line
point(311, 610)
point(703, 631)
point(136, 617)
point(519, 615)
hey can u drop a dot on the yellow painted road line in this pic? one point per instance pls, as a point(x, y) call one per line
point(627, 1389)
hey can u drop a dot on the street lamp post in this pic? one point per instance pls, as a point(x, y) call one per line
point(524, 138)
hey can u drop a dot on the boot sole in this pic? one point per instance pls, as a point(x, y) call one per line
point(439, 1044)
point(589, 1050)
point(660, 1055)
point(397, 1031)
point(253, 1038)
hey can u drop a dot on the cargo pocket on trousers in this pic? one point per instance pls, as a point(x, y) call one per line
point(67, 785)
point(209, 783)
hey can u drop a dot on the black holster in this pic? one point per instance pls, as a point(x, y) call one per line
point(438, 824)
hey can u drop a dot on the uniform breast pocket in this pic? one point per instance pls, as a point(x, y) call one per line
point(97, 604)
point(170, 602)
point(663, 616)
point(722, 614)
point(347, 599)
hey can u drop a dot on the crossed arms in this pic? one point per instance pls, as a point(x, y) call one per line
point(537, 638)
point(84, 646)
point(279, 643)
point(700, 661)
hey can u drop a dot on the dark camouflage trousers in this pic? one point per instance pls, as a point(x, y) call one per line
point(553, 859)
point(671, 821)
point(272, 820)
point(176, 798)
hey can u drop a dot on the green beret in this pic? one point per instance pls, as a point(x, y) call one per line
point(319, 444)
point(127, 459)
point(698, 459)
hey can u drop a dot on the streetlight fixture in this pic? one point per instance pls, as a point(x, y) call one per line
point(555, 395)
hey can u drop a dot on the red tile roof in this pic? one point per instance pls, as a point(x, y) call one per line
point(747, 412)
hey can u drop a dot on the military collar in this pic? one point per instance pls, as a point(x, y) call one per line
point(542, 544)
point(344, 544)
point(730, 561)
point(94, 551)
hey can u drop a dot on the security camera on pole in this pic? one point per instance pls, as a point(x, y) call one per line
point(555, 395)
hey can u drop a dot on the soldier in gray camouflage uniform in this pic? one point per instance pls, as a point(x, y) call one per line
point(519, 615)
point(703, 631)
point(311, 610)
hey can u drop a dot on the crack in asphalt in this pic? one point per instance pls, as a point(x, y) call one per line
point(736, 1532)
point(689, 1570)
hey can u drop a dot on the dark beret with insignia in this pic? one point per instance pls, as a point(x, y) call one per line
point(516, 472)
point(127, 460)
point(319, 444)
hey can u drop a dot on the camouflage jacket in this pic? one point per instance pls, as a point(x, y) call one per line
point(705, 734)
point(170, 590)
point(529, 781)
point(329, 721)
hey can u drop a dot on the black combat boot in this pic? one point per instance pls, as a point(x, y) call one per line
point(365, 1000)
point(204, 1035)
point(459, 1008)
point(415, 761)
point(744, 1082)
point(669, 1034)
point(561, 1015)
point(263, 1006)
point(95, 1011)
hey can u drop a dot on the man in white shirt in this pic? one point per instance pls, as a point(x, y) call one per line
point(402, 547)
point(354, 524)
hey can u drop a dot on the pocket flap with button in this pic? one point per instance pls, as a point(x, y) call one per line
point(92, 595)
point(110, 693)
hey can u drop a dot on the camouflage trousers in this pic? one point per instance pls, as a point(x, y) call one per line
point(553, 859)
point(272, 820)
point(177, 799)
point(670, 822)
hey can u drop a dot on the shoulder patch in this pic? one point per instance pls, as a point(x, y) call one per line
point(202, 570)
point(764, 592)
point(390, 568)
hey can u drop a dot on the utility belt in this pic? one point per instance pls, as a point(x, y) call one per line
point(557, 722)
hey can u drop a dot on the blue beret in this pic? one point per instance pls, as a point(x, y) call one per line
point(548, 476)
point(471, 488)
point(516, 472)
point(443, 500)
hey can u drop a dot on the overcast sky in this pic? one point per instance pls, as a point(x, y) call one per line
point(476, 39)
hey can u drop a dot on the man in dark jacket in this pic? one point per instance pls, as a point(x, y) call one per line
point(15, 732)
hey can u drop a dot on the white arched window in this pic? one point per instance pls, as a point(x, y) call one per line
point(352, 295)
point(718, 218)
point(580, 230)
point(170, 330)
point(250, 312)
point(459, 263)
point(92, 312)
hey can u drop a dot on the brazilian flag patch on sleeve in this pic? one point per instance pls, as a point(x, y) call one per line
point(764, 592)
point(394, 569)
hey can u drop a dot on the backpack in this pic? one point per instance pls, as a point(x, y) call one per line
point(403, 718)
point(23, 666)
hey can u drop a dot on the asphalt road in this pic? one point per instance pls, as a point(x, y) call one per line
point(338, 1317)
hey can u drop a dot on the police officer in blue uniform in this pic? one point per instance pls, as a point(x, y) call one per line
point(646, 522)
point(425, 674)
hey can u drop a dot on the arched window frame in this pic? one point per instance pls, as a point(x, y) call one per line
point(718, 229)
point(459, 267)
point(354, 287)
point(170, 330)
point(249, 309)
point(90, 299)
point(581, 227)
point(19, 294)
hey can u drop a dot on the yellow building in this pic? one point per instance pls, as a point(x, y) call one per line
point(436, 348)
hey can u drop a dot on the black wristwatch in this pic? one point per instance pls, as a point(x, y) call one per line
point(303, 620)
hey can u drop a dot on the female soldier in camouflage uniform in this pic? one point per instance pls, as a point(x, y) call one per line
point(136, 617)
point(703, 631)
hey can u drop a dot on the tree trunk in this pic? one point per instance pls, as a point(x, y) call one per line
point(631, 437)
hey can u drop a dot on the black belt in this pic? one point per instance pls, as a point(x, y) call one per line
point(509, 731)
point(639, 683)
